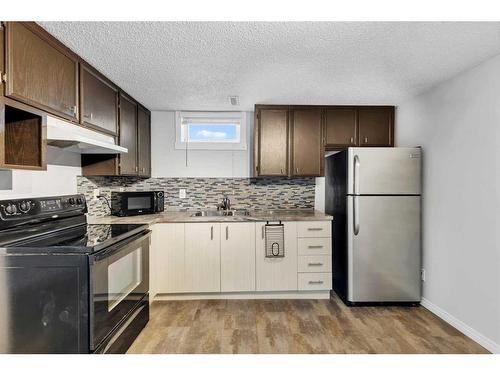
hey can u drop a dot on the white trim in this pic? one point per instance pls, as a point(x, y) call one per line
point(244, 295)
point(180, 144)
point(462, 327)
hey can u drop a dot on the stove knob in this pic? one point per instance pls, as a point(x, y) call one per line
point(25, 206)
point(71, 201)
point(11, 209)
point(79, 200)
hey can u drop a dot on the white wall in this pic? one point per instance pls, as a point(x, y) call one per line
point(457, 123)
point(166, 161)
point(60, 177)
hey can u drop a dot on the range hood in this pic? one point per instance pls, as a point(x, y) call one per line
point(74, 138)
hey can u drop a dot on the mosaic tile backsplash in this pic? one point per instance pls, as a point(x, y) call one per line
point(203, 193)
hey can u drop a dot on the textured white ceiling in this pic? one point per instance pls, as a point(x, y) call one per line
point(197, 65)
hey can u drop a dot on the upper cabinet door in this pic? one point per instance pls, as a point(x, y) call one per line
point(144, 142)
point(376, 126)
point(271, 138)
point(39, 73)
point(99, 101)
point(340, 127)
point(307, 142)
point(128, 135)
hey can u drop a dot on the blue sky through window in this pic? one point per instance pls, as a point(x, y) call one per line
point(211, 132)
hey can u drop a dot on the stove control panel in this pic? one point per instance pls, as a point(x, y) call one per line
point(41, 207)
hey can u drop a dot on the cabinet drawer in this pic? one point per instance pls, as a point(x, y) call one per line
point(314, 229)
point(315, 281)
point(315, 263)
point(315, 246)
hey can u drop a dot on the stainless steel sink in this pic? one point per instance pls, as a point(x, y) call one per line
point(221, 213)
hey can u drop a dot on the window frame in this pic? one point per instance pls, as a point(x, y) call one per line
point(211, 116)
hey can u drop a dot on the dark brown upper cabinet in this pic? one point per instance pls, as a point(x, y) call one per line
point(98, 101)
point(271, 141)
point(376, 126)
point(23, 136)
point(128, 136)
point(360, 126)
point(340, 127)
point(135, 135)
point(144, 141)
point(307, 151)
point(39, 71)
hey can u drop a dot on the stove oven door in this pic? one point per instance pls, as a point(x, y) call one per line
point(119, 278)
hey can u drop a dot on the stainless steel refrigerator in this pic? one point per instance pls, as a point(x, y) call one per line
point(374, 197)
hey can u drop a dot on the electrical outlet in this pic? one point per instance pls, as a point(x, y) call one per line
point(422, 274)
point(96, 193)
point(182, 193)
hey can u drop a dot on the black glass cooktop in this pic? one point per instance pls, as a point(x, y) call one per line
point(83, 239)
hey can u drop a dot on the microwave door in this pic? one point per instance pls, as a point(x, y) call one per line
point(140, 203)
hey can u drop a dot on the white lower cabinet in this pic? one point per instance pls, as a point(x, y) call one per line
point(202, 257)
point(276, 274)
point(230, 257)
point(168, 258)
point(237, 257)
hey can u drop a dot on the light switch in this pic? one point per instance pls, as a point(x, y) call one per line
point(182, 193)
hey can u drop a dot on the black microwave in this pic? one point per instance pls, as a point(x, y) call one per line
point(130, 203)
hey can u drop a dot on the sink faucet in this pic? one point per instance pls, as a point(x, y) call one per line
point(225, 205)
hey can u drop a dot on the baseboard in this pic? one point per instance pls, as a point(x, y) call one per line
point(462, 327)
point(236, 295)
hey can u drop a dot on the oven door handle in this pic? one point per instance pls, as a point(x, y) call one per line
point(109, 251)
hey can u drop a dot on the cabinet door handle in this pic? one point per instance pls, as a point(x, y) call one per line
point(227, 232)
point(366, 140)
point(297, 169)
point(315, 247)
point(314, 264)
point(316, 282)
point(212, 232)
point(314, 229)
point(263, 231)
point(352, 139)
point(281, 170)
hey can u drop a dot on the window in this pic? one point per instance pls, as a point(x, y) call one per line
point(210, 131)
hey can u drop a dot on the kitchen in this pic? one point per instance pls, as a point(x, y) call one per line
point(154, 203)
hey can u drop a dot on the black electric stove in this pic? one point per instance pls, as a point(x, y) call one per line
point(70, 286)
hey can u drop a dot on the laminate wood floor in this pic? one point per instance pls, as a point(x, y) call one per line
point(295, 326)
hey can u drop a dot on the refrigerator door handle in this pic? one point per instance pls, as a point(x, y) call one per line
point(355, 214)
point(355, 178)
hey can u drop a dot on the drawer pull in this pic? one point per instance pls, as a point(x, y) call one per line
point(316, 282)
point(315, 246)
point(314, 229)
point(315, 264)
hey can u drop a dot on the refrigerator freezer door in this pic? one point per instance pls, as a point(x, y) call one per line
point(384, 170)
point(384, 257)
